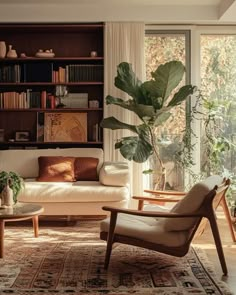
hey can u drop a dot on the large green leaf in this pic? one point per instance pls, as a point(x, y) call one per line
point(127, 81)
point(161, 119)
point(181, 95)
point(115, 100)
point(168, 77)
point(114, 124)
point(134, 148)
point(152, 92)
point(139, 109)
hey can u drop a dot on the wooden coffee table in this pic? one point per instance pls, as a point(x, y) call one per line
point(20, 211)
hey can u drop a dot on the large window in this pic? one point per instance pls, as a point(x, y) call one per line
point(218, 76)
point(161, 47)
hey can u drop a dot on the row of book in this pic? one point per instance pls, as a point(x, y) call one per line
point(78, 73)
point(38, 72)
point(26, 100)
point(11, 74)
point(43, 99)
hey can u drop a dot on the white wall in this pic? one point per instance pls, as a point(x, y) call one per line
point(116, 10)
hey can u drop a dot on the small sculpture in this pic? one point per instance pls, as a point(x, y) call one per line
point(11, 52)
point(46, 53)
point(7, 195)
point(3, 49)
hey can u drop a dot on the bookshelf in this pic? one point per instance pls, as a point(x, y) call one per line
point(30, 86)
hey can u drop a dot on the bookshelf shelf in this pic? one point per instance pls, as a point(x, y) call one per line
point(52, 59)
point(48, 143)
point(30, 86)
point(50, 83)
point(54, 110)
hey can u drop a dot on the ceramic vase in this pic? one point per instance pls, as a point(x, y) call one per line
point(7, 196)
point(3, 49)
point(11, 52)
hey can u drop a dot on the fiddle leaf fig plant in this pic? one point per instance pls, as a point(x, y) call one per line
point(15, 181)
point(151, 101)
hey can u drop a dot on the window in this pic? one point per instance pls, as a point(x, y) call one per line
point(218, 76)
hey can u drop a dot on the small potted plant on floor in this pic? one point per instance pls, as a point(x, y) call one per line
point(10, 184)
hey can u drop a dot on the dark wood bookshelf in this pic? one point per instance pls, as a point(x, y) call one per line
point(72, 45)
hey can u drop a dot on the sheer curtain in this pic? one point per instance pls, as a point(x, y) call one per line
point(124, 42)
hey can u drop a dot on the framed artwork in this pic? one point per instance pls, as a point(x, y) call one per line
point(65, 127)
point(22, 136)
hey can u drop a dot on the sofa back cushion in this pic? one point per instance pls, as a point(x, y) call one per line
point(86, 168)
point(25, 162)
point(56, 168)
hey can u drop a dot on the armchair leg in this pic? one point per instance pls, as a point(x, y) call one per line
point(228, 218)
point(110, 238)
point(219, 248)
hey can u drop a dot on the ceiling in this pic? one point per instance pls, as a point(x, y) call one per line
point(149, 11)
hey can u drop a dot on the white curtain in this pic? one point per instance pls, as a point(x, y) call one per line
point(124, 42)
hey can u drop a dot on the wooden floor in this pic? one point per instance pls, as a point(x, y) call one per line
point(206, 242)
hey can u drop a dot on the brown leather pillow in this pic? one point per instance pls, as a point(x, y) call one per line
point(86, 168)
point(56, 168)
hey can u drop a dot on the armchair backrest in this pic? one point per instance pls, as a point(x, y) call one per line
point(191, 203)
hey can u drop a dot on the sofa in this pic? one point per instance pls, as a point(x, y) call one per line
point(85, 195)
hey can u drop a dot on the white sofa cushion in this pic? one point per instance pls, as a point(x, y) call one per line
point(66, 192)
point(145, 228)
point(114, 174)
point(25, 162)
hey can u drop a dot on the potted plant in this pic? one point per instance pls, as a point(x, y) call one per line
point(15, 182)
point(151, 101)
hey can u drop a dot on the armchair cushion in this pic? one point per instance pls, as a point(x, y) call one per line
point(145, 228)
point(114, 174)
point(190, 203)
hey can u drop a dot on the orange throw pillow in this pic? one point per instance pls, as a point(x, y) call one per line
point(56, 168)
point(86, 168)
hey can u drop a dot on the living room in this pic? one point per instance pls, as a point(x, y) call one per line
point(70, 38)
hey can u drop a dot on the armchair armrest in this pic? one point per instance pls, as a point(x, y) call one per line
point(165, 193)
point(159, 214)
point(114, 174)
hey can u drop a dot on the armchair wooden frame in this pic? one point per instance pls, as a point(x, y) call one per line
point(206, 210)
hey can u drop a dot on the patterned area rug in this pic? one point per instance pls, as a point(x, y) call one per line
point(69, 260)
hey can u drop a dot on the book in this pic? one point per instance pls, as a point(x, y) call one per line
point(40, 127)
point(75, 100)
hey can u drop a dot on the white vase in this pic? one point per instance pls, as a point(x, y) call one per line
point(7, 196)
point(3, 49)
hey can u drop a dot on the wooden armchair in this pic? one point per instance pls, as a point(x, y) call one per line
point(162, 197)
point(170, 233)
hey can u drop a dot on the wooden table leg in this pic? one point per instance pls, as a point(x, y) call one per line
point(2, 226)
point(36, 225)
point(140, 204)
